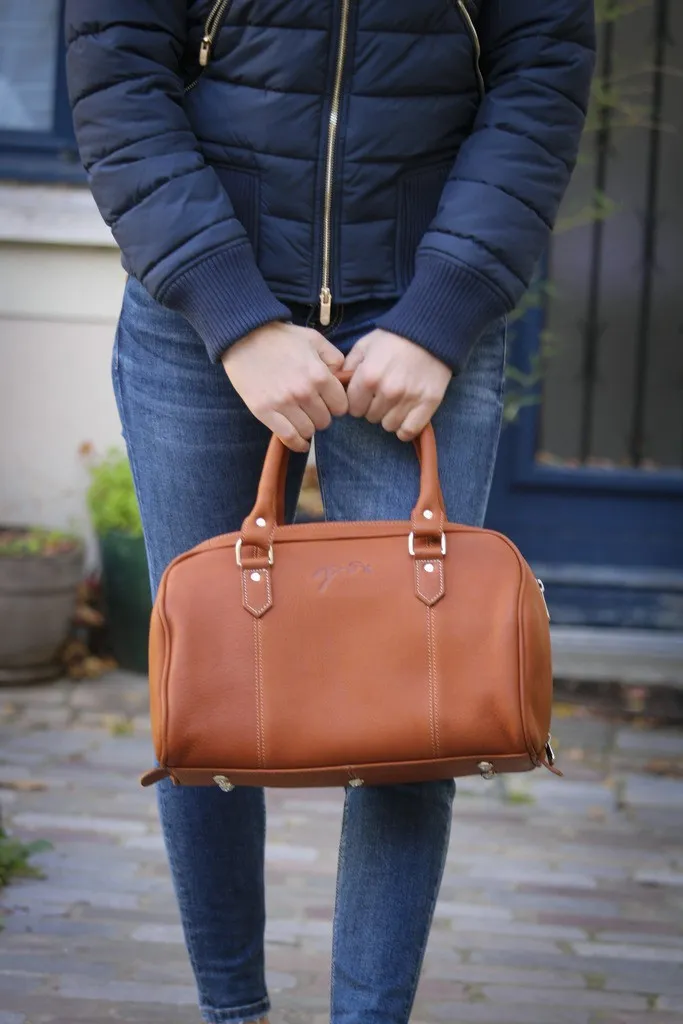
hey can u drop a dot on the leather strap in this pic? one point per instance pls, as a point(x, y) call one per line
point(427, 520)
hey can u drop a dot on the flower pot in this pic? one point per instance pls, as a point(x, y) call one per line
point(127, 599)
point(37, 602)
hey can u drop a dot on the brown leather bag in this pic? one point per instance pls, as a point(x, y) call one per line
point(342, 653)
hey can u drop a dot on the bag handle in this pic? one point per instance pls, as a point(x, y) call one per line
point(427, 520)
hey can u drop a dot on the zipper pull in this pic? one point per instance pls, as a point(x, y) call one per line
point(541, 587)
point(325, 307)
point(205, 51)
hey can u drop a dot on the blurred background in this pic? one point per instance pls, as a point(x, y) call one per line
point(589, 484)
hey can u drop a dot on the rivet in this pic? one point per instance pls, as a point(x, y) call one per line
point(429, 567)
point(260, 521)
point(486, 769)
point(428, 514)
point(224, 783)
point(256, 577)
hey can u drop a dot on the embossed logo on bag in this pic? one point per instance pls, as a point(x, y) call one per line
point(327, 574)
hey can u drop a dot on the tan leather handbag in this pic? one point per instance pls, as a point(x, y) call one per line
point(349, 653)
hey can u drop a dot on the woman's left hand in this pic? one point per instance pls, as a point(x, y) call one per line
point(395, 382)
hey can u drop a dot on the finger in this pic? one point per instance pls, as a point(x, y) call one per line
point(360, 393)
point(333, 394)
point(300, 420)
point(379, 407)
point(317, 412)
point(355, 356)
point(416, 420)
point(329, 353)
point(394, 418)
point(286, 431)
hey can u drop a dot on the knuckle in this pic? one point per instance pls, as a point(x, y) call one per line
point(393, 392)
point(301, 393)
point(261, 410)
point(372, 380)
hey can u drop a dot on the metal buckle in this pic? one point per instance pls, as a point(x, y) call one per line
point(411, 543)
point(238, 553)
point(549, 752)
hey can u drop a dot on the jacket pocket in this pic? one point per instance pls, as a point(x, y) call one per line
point(244, 191)
point(419, 192)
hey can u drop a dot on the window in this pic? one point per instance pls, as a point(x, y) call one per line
point(36, 135)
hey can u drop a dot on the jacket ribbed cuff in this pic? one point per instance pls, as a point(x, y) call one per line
point(224, 297)
point(445, 309)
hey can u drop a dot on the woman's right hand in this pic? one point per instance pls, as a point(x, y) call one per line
point(285, 376)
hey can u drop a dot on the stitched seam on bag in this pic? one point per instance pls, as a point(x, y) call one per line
point(259, 634)
point(258, 678)
point(430, 665)
point(245, 593)
point(437, 737)
point(419, 566)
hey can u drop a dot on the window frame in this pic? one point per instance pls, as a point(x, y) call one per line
point(45, 156)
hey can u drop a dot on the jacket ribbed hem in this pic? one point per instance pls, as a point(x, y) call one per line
point(224, 297)
point(445, 309)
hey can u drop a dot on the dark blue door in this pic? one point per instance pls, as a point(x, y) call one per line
point(589, 481)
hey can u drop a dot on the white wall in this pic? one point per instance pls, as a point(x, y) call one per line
point(60, 294)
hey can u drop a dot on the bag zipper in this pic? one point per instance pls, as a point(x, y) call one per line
point(332, 126)
point(474, 36)
point(541, 587)
point(212, 27)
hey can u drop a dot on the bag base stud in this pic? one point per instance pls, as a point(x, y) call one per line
point(355, 783)
point(224, 783)
point(486, 769)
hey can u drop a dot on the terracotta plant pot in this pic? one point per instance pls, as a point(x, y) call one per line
point(37, 602)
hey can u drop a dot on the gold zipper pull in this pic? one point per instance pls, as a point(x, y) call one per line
point(205, 51)
point(325, 307)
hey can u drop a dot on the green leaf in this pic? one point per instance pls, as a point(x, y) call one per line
point(111, 496)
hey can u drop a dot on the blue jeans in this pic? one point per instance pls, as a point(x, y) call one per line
point(196, 454)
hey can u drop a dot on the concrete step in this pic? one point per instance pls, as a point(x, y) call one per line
point(637, 657)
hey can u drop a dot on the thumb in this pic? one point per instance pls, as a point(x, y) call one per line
point(355, 356)
point(329, 354)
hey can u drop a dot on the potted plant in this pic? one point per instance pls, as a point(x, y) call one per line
point(125, 578)
point(40, 571)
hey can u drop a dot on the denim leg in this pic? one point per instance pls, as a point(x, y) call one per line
point(196, 454)
point(395, 838)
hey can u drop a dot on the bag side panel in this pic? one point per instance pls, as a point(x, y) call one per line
point(536, 673)
point(477, 674)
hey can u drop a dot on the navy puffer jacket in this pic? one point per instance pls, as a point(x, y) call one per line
point(245, 191)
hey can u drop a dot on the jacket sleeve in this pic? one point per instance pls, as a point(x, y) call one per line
point(166, 207)
point(500, 202)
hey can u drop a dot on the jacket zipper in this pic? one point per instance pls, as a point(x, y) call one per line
point(474, 36)
point(212, 27)
point(332, 126)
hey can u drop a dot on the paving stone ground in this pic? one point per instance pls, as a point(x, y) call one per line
point(562, 901)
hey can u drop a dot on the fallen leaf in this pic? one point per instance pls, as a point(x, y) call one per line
point(24, 785)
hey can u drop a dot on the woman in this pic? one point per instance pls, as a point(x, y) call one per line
point(297, 187)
